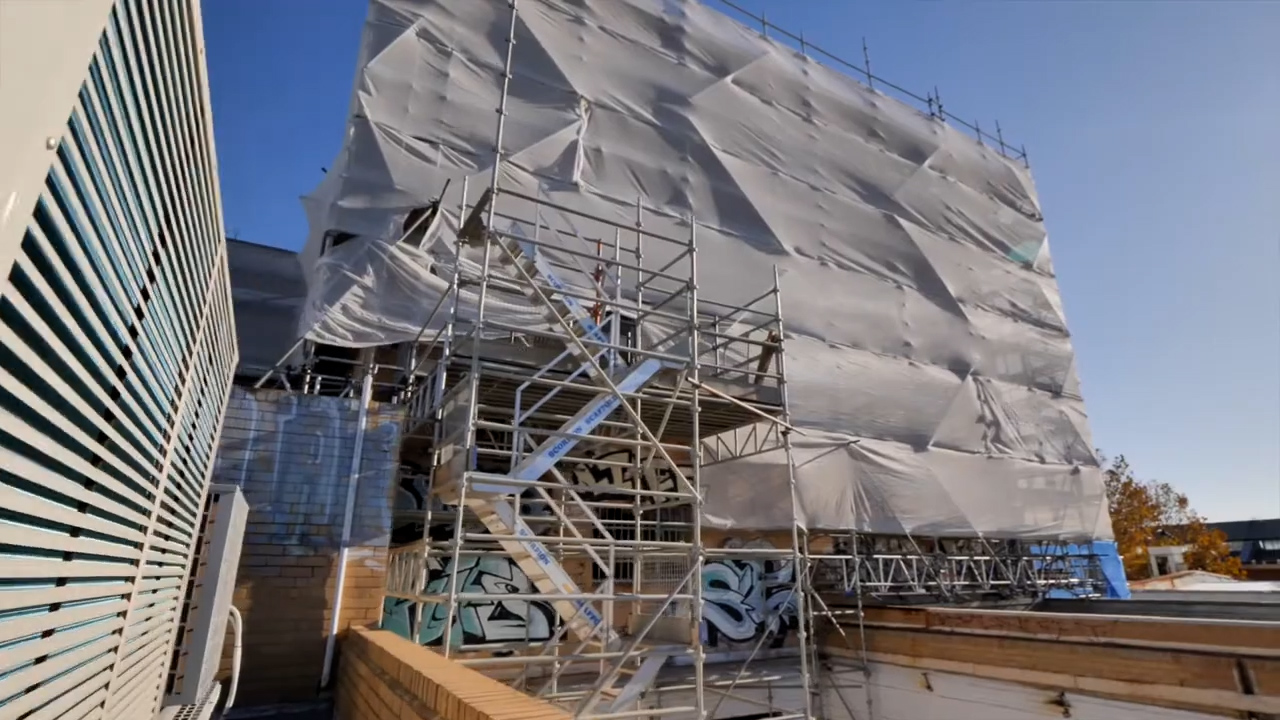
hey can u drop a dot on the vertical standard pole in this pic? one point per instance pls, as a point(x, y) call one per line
point(638, 471)
point(866, 63)
point(344, 551)
point(695, 463)
point(437, 397)
point(615, 325)
point(862, 630)
point(799, 564)
point(476, 335)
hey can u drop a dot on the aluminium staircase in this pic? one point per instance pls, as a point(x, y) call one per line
point(490, 500)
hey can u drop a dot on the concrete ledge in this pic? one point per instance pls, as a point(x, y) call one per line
point(1214, 667)
point(386, 677)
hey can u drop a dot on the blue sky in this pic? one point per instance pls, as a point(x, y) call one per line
point(1153, 130)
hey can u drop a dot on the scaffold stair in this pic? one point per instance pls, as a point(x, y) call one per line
point(640, 682)
point(522, 254)
point(490, 500)
point(555, 448)
point(500, 516)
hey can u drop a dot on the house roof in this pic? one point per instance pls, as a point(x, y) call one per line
point(1245, 530)
point(267, 293)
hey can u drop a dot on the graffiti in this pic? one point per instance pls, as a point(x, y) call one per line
point(291, 455)
point(413, 488)
point(657, 476)
point(475, 621)
point(747, 598)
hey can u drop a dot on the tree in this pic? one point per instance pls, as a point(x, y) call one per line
point(1146, 513)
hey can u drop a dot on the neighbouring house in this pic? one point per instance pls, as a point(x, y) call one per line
point(1257, 544)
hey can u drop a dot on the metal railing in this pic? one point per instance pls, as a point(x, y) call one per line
point(932, 101)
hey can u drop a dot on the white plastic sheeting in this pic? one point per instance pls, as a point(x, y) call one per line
point(927, 351)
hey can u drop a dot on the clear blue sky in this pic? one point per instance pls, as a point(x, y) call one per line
point(1154, 135)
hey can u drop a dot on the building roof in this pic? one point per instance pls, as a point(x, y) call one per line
point(1245, 530)
point(1198, 580)
point(267, 292)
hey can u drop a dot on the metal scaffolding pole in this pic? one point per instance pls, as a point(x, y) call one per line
point(477, 336)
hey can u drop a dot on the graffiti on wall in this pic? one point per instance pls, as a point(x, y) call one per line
point(656, 477)
point(412, 489)
point(747, 598)
point(491, 620)
point(291, 454)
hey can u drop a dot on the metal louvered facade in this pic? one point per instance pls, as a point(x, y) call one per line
point(117, 347)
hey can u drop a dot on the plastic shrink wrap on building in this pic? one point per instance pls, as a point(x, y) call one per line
point(927, 354)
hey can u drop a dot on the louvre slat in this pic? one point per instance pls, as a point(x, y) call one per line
point(140, 75)
point(78, 298)
point(22, 467)
point(139, 693)
point(45, 540)
point(24, 432)
point(115, 291)
point(138, 671)
point(83, 703)
point(36, 506)
point(150, 586)
point(17, 655)
point(167, 545)
point(66, 394)
point(56, 664)
point(100, 364)
point(89, 673)
point(17, 568)
point(17, 599)
point(14, 628)
point(147, 617)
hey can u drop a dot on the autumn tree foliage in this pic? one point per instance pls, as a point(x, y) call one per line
point(1146, 513)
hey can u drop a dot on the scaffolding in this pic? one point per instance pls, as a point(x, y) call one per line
point(563, 544)
point(631, 363)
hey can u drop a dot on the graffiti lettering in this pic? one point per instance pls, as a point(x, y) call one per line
point(747, 598)
point(656, 477)
point(475, 621)
point(412, 490)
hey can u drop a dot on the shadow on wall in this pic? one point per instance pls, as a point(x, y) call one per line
point(292, 455)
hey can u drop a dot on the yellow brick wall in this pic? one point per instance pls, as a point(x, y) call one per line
point(286, 604)
point(386, 677)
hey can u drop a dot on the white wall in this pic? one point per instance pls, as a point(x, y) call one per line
point(45, 49)
point(905, 694)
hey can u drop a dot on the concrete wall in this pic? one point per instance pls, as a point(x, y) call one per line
point(292, 455)
point(1152, 666)
point(899, 693)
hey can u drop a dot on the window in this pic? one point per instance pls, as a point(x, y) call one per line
point(1272, 545)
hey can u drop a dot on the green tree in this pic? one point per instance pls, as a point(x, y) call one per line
point(1146, 513)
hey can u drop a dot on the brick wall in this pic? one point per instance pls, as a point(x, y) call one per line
point(292, 456)
point(385, 677)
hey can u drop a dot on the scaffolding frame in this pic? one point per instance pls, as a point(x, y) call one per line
point(480, 413)
point(643, 395)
